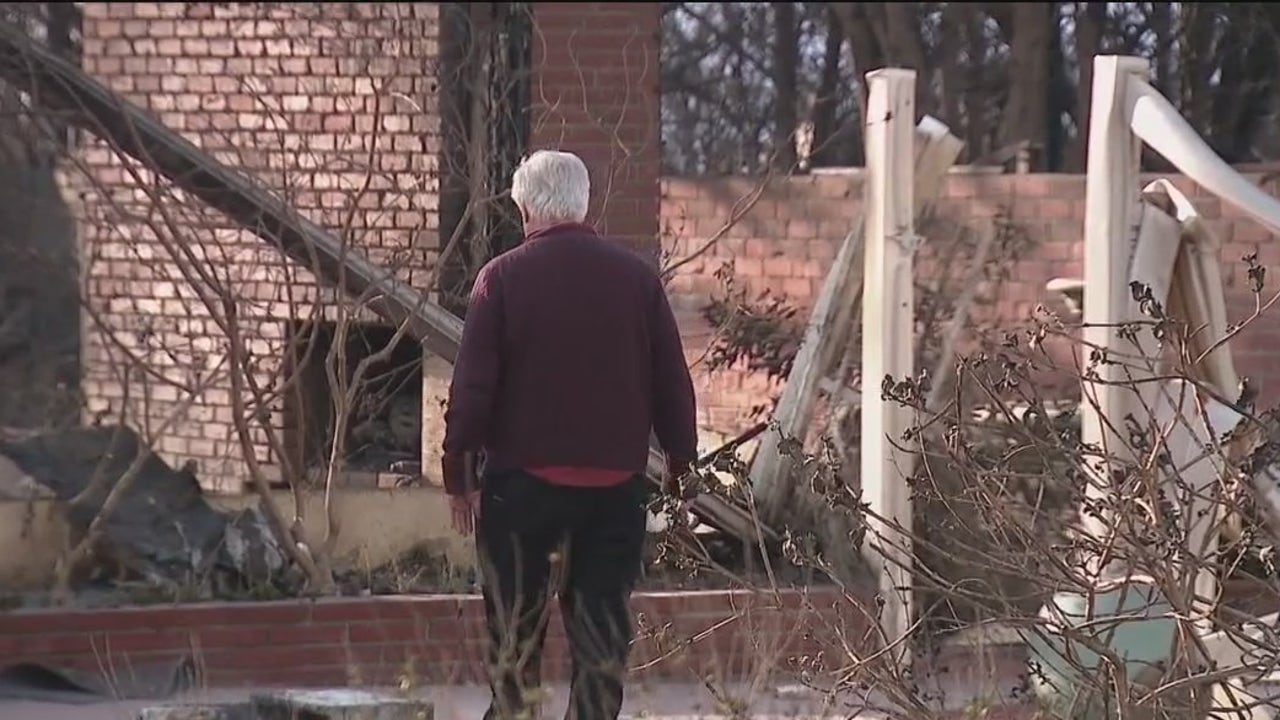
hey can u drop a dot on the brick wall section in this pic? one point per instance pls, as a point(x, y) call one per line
point(787, 239)
point(685, 637)
point(438, 638)
point(596, 94)
point(312, 100)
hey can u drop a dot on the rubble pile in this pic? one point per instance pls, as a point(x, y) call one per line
point(163, 531)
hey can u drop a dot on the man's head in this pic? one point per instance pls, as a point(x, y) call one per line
point(551, 187)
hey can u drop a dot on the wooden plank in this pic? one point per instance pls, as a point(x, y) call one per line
point(889, 346)
point(1150, 259)
point(935, 154)
point(1196, 296)
point(1158, 262)
point(77, 98)
point(823, 336)
point(1157, 122)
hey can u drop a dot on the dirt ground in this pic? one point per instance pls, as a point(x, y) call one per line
point(660, 701)
point(655, 702)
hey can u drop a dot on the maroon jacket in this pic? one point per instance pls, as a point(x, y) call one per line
point(570, 357)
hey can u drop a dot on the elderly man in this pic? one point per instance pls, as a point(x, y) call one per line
point(570, 357)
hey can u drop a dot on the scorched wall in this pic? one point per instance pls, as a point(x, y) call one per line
point(336, 107)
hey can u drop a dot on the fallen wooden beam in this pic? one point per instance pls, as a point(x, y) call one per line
point(79, 99)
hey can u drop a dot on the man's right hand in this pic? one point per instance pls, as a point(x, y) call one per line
point(675, 482)
point(678, 492)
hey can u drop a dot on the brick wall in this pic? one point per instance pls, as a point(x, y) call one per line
point(436, 639)
point(596, 94)
point(686, 637)
point(334, 107)
point(788, 238)
point(311, 101)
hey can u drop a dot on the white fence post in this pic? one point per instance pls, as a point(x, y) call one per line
point(888, 342)
point(1110, 232)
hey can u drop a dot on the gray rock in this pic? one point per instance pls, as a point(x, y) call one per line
point(164, 530)
point(18, 485)
point(250, 547)
point(236, 711)
point(338, 704)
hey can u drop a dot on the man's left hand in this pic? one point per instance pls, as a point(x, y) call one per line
point(465, 510)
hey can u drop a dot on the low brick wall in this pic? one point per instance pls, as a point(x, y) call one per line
point(432, 639)
point(782, 236)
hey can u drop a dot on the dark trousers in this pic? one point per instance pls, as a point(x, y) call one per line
point(598, 533)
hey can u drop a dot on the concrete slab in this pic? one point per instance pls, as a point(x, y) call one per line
point(338, 704)
point(195, 711)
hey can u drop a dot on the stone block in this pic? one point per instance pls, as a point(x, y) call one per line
point(230, 711)
point(338, 704)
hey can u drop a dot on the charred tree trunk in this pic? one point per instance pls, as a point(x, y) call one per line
point(824, 102)
point(786, 58)
point(1025, 111)
point(950, 65)
point(1059, 100)
point(1198, 64)
point(1090, 20)
point(1243, 99)
point(897, 27)
point(1166, 80)
point(977, 108)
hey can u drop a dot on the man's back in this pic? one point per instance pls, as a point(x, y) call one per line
point(570, 356)
point(590, 357)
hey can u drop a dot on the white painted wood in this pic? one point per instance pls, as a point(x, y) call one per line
point(1158, 122)
point(935, 153)
point(1111, 208)
point(888, 347)
point(1150, 261)
point(1198, 464)
point(1127, 110)
point(826, 336)
point(1252, 644)
point(1181, 412)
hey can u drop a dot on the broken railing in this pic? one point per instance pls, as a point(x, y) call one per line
point(1175, 256)
point(66, 89)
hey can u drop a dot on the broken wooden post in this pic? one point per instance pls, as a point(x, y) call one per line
point(1197, 299)
point(888, 320)
point(828, 333)
point(823, 337)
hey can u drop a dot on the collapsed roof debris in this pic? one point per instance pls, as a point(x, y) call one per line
point(163, 531)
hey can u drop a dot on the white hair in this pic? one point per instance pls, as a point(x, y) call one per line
point(552, 186)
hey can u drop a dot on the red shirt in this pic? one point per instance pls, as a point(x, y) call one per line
point(570, 359)
point(581, 477)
